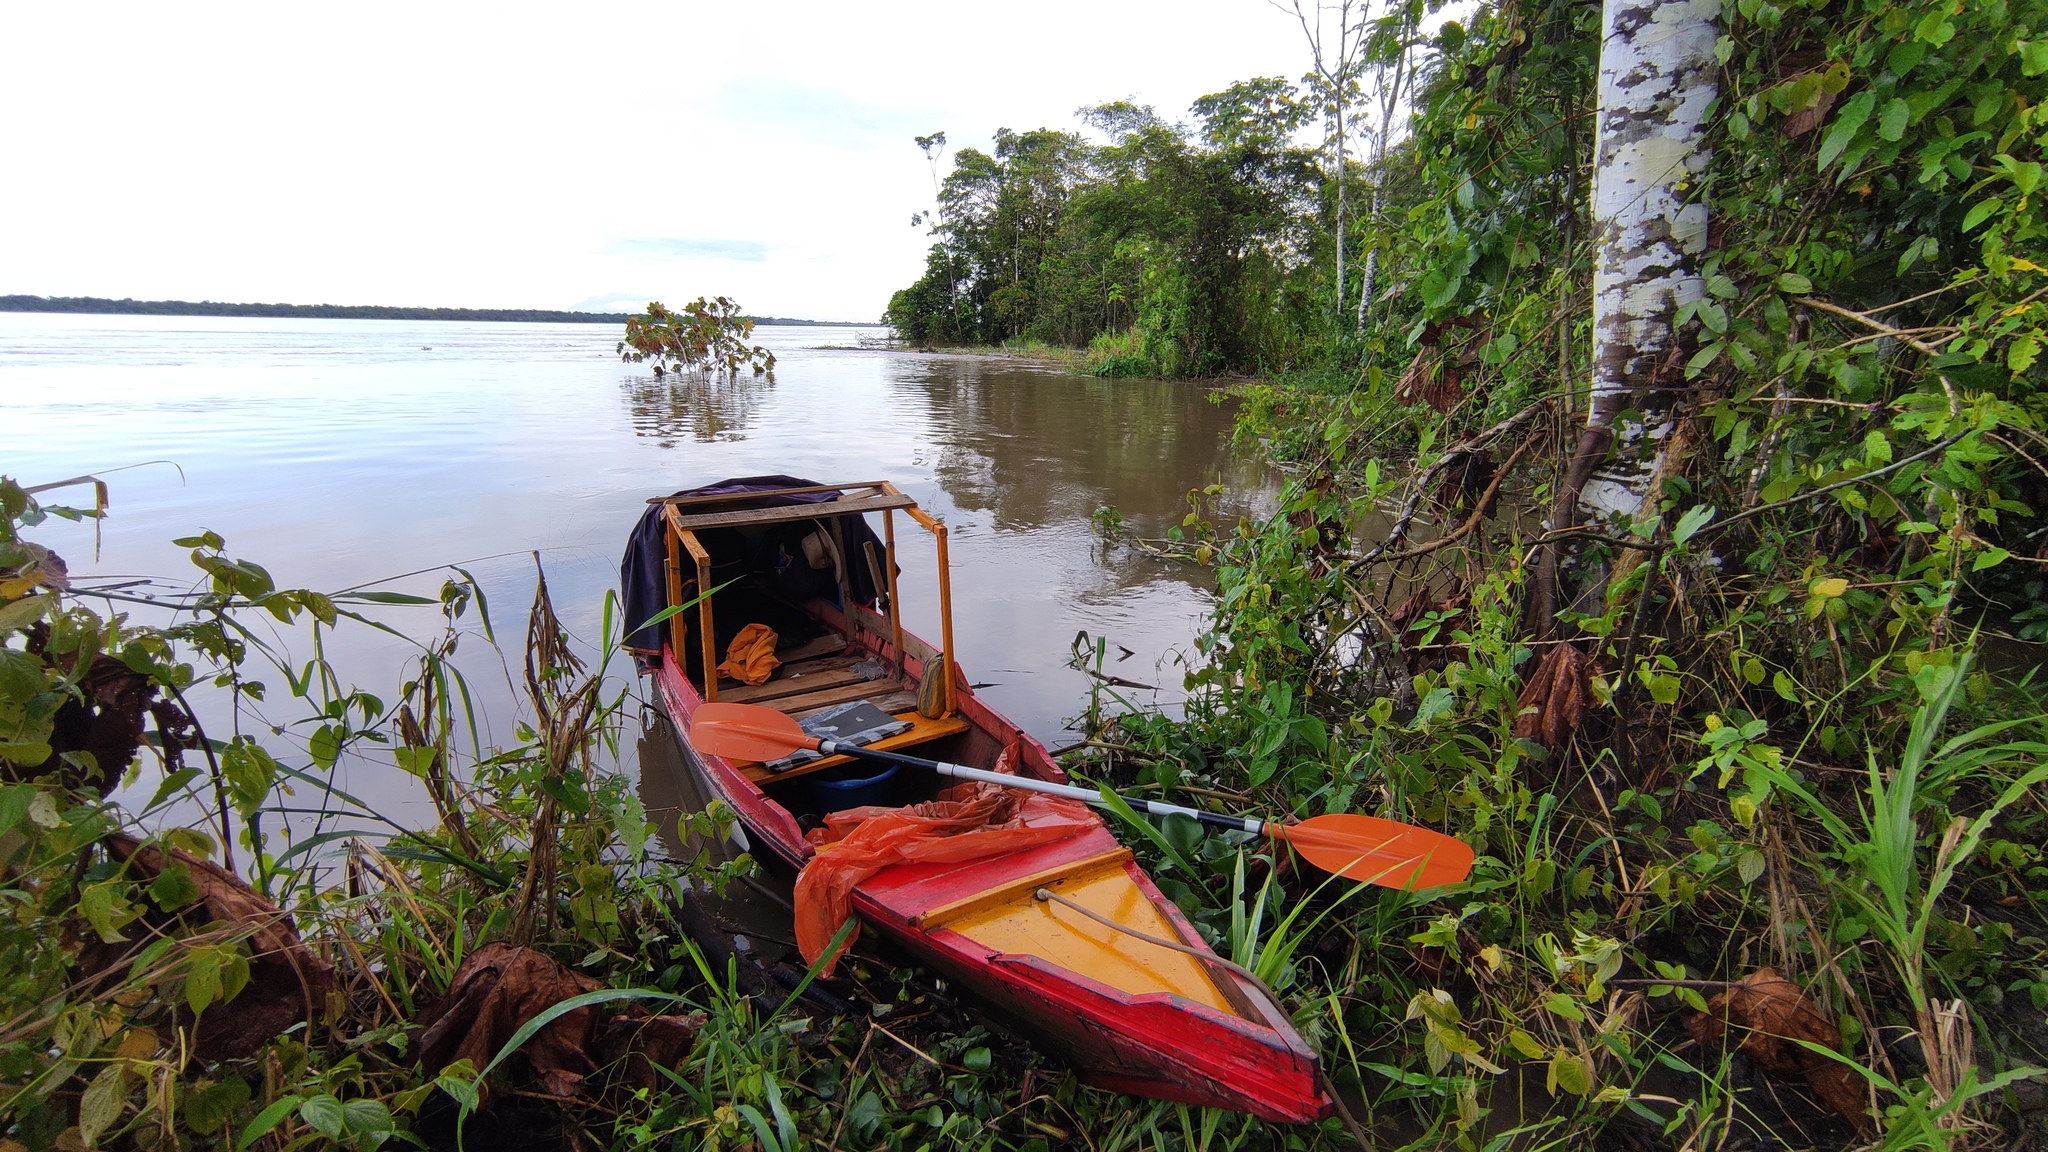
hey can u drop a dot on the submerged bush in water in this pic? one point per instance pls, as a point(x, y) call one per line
point(707, 335)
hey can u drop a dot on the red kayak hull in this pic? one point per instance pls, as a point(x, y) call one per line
point(1158, 1045)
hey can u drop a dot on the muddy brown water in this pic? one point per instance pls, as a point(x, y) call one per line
point(341, 452)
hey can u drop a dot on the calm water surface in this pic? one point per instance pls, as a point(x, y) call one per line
point(340, 452)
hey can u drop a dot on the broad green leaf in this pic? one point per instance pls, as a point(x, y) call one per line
point(1793, 284)
point(324, 1115)
point(978, 1059)
point(173, 888)
point(24, 612)
point(209, 1109)
point(104, 1100)
point(202, 980)
point(1695, 518)
point(1989, 558)
point(1783, 686)
point(21, 676)
point(2034, 57)
point(1892, 122)
point(265, 1120)
point(14, 802)
point(1750, 866)
point(106, 909)
point(1570, 1073)
point(1664, 688)
point(1846, 124)
point(1980, 211)
point(367, 1117)
point(1831, 587)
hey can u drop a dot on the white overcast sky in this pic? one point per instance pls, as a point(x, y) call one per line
point(559, 156)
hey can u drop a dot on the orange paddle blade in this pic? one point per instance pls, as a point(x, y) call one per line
point(746, 732)
point(1383, 852)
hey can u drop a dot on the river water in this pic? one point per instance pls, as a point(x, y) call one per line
point(340, 452)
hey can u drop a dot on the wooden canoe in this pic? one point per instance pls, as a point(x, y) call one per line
point(1126, 1014)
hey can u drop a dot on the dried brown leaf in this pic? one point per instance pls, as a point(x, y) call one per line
point(287, 982)
point(1772, 1015)
point(499, 988)
point(1553, 701)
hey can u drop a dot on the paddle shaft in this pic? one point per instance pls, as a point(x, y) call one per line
point(1250, 824)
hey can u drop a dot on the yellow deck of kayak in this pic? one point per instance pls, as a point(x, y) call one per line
point(1007, 919)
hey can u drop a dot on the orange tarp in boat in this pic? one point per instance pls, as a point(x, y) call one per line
point(967, 822)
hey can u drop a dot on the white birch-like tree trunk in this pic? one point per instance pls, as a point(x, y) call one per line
point(1657, 79)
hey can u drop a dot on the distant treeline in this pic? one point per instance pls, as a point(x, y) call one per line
point(101, 305)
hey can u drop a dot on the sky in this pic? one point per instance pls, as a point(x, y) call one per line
point(585, 156)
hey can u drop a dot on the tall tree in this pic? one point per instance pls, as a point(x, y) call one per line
point(1388, 49)
point(1335, 81)
point(1657, 81)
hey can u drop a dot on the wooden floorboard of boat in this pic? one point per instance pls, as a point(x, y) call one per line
point(791, 680)
point(809, 702)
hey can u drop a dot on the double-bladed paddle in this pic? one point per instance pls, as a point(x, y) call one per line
point(1365, 848)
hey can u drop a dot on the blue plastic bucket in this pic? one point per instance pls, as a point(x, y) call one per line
point(839, 795)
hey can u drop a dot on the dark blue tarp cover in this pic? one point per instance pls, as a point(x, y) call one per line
point(643, 579)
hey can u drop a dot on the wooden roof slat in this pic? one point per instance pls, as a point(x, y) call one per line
point(789, 512)
point(735, 497)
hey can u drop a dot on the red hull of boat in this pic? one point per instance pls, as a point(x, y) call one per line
point(1156, 1045)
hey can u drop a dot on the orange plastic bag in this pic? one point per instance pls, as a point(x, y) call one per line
point(967, 822)
point(750, 658)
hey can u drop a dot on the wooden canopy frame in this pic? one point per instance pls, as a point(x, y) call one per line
point(684, 515)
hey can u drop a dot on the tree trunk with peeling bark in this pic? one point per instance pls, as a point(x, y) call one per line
point(1658, 76)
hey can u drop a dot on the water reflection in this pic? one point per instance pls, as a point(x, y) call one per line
point(1037, 448)
point(694, 405)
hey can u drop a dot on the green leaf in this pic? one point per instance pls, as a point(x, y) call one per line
point(367, 1118)
point(389, 598)
point(1783, 686)
point(14, 802)
point(1793, 284)
point(213, 1107)
point(23, 612)
point(265, 1120)
point(172, 785)
point(1185, 831)
point(2034, 57)
point(978, 1059)
point(106, 909)
point(1846, 124)
point(202, 980)
point(1702, 358)
point(1695, 518)
point(21, 676)
point(1570, 1073)
point(174, 887)
point(1989, 558)
point(1980, 211)
point(103, 1102)
point(1750, 866)
point(323, 1114)
point(1892, 122)
point(1664, 689)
